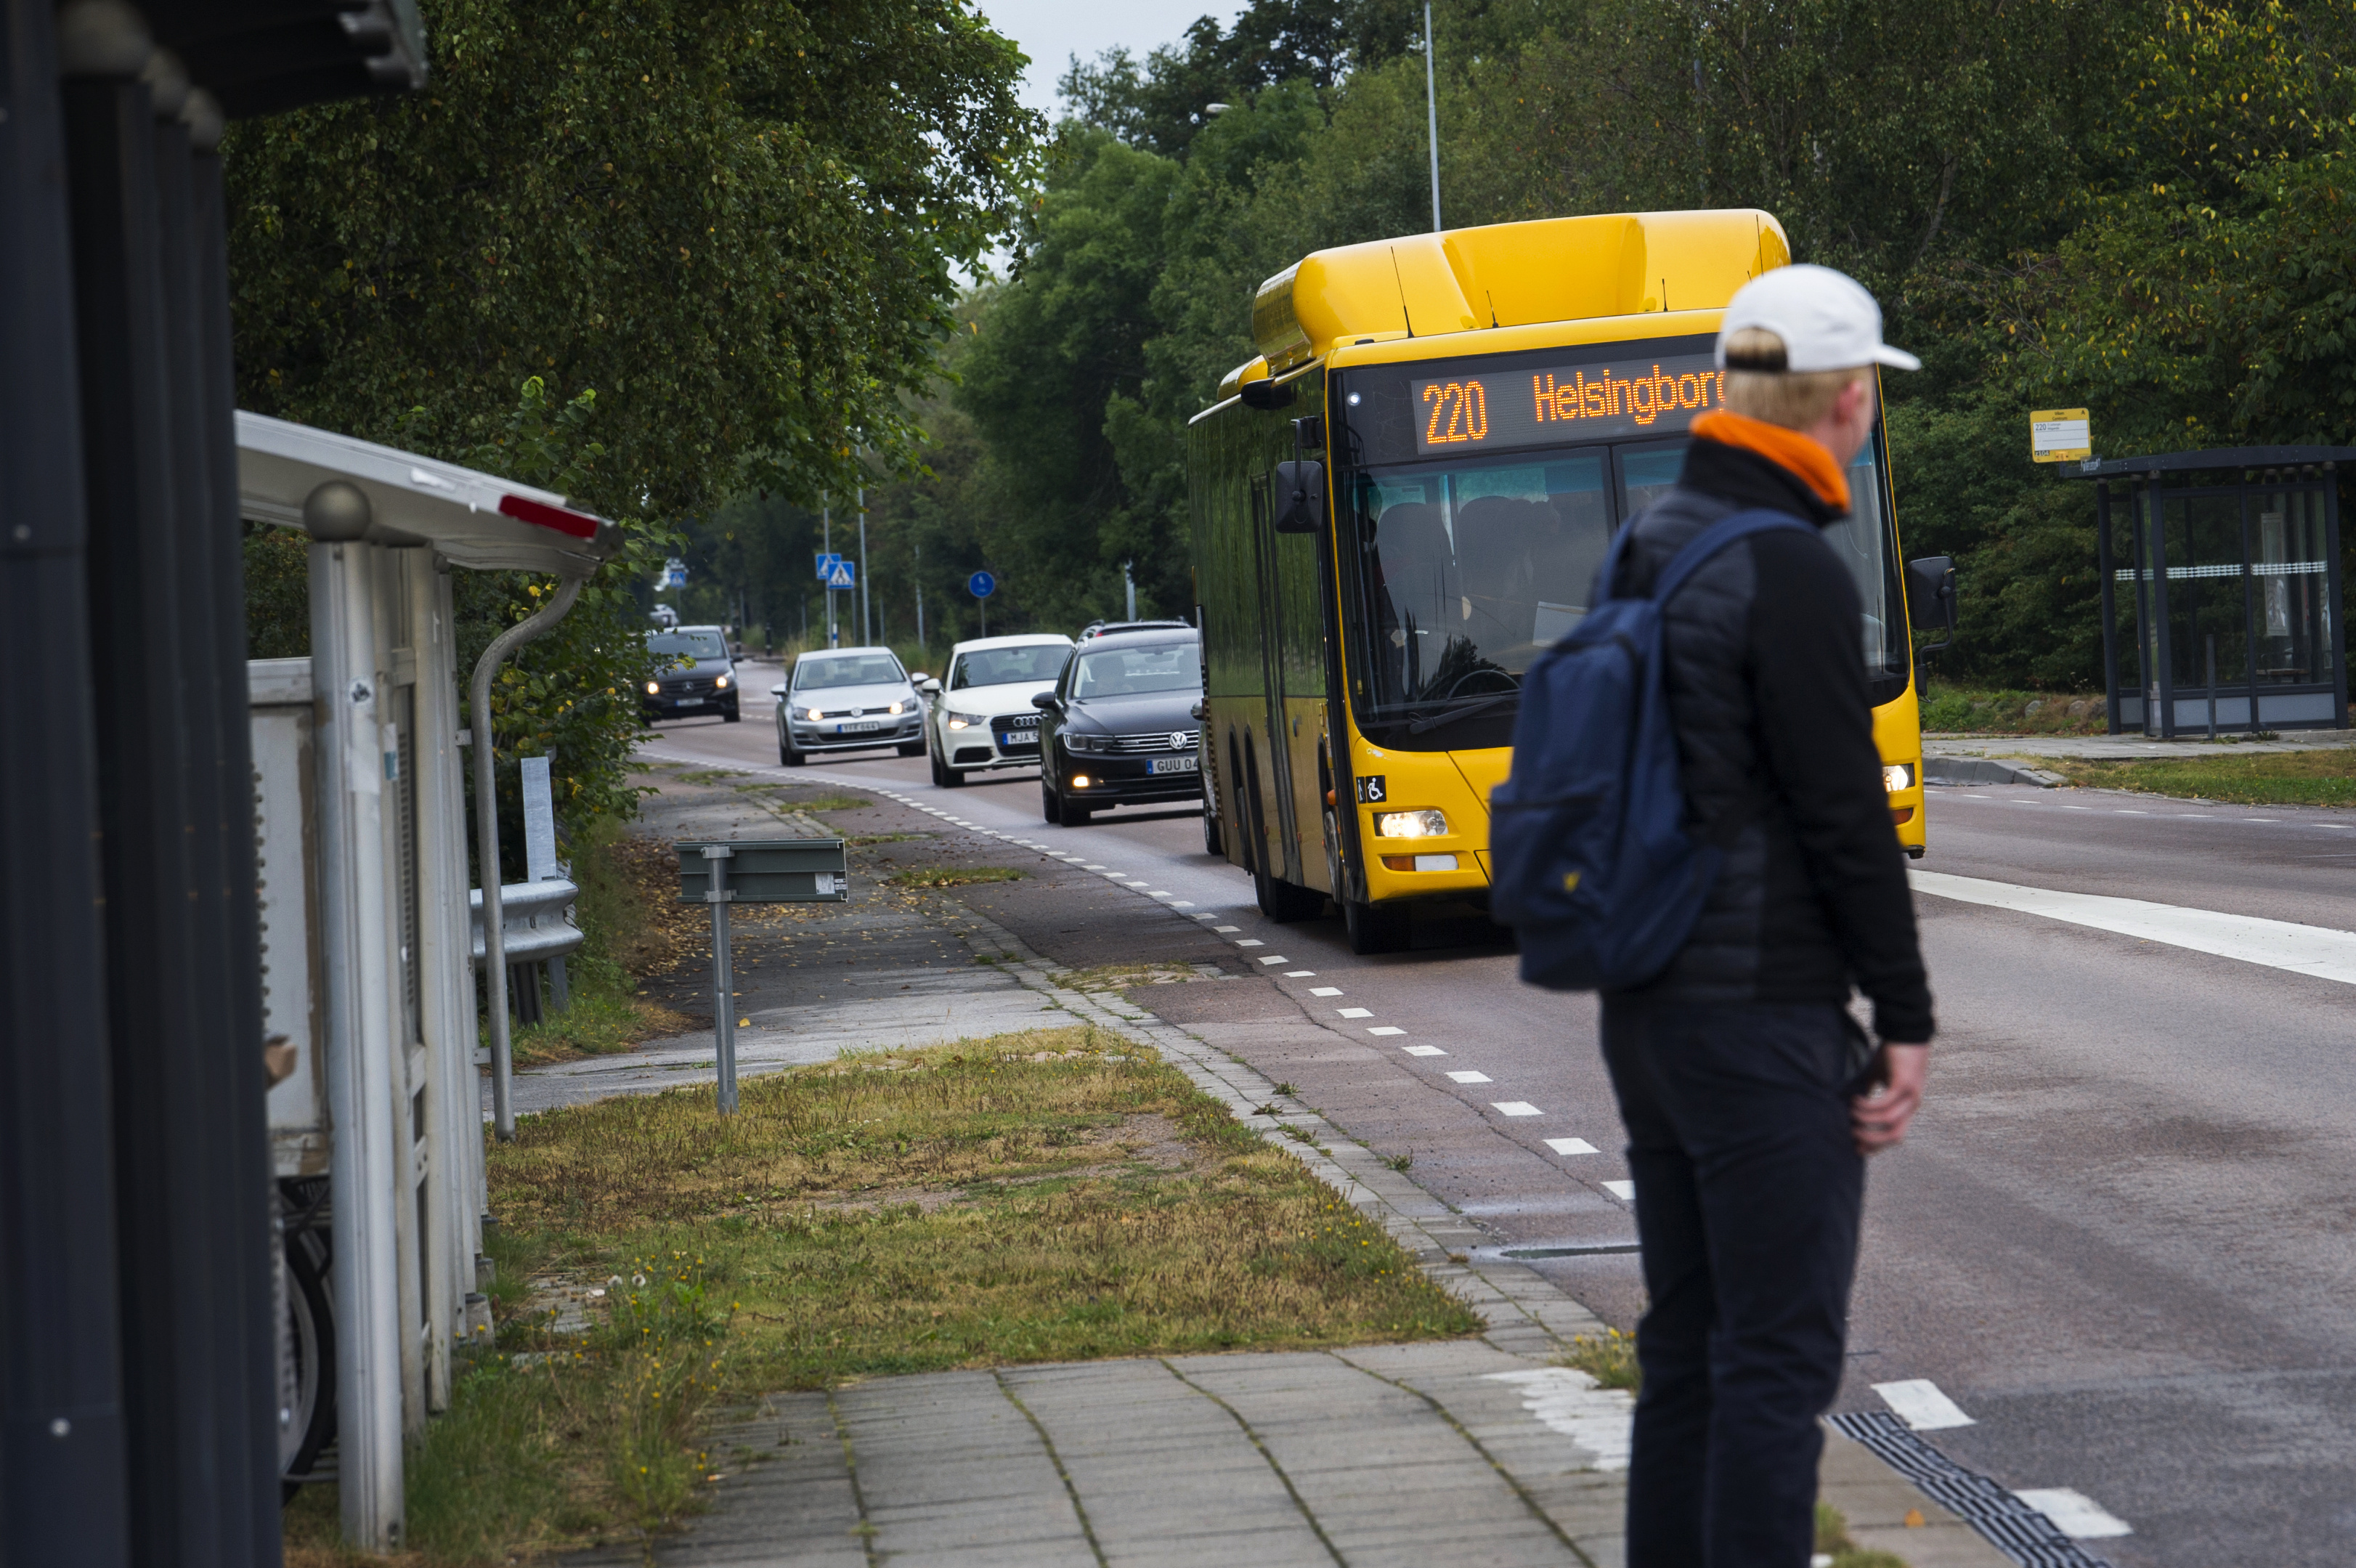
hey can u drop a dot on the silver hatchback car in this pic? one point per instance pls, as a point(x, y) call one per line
point(847, 699)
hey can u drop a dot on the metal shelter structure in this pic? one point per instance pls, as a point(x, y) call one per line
point(367, 946)
point(138, 1386)
point(2221, 586)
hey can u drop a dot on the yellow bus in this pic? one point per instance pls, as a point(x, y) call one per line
point(1402, 500)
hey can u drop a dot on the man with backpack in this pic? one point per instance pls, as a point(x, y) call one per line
point(1697, 793)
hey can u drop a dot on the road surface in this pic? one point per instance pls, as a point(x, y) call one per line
point(2120, 1239)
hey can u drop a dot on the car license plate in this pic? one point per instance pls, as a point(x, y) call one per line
point(1177, 765)
point(1008, 740)
point(688, 702)
point(863, 727)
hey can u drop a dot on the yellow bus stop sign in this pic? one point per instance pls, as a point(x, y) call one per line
point(2060, 435)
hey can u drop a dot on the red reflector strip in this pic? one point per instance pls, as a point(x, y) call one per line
point(579, 525)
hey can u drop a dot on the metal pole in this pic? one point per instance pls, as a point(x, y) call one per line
point(2213, 685)
point(920, 598)
point(718, 895)
point(1431, 114)
point(1129, 582)
point(486, 841)
point(826, 542)
point(2107, 572)
point(866, 622)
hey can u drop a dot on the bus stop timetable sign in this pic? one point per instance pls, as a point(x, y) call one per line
point(2061, 436)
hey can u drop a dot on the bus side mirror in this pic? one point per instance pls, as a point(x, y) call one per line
point(1300, 497)
point(1931, 591)
point(1265, 393)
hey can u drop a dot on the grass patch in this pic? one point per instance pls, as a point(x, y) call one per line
point(1126, 976)
point(2003, 712)
point(1833, 1541)
point(1049, 1195)
point(953, 876)
point(832, 803)
point(709, 776)
point(2324, 777)
point(862, 840)
point(1610, 1357)
point(623, 882)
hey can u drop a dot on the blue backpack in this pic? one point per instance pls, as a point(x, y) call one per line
point(1594, 868)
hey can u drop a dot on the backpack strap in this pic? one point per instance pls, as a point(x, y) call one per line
point(1725, 530)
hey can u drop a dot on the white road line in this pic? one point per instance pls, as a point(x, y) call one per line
point(1513, 1107)
point(1571, 1146)
point(1249, 943)
point(1275, 958)
point(1224, 929)
point(1299, 974)
point(2317, 951)
point(1920, 1405)
point(1324, 991)
point(1209, 917)
point(1423, 1050)
point(1625, 1191)
point(2074, 1514)
point(1386, 1029)
point(1352, 1011)
point(1470, 1078)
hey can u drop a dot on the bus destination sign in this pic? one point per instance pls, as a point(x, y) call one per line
point(1544, 406)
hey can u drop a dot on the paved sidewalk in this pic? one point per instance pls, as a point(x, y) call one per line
point(1467, 1451)
point(2130, 748)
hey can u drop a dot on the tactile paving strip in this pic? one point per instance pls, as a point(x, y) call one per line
point(2010, 1525)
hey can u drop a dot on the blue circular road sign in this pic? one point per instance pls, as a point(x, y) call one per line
point(981, 584)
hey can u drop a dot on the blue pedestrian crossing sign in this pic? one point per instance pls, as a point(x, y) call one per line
point(827, 562)
point(981, 584)
point(844, 574)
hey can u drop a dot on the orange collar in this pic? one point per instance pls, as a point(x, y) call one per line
point(1803, 455)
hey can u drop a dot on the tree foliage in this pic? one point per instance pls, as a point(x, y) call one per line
point(738, 220)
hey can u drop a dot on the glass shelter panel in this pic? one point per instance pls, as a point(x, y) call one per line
point(2206, 599)
point(2290, 578)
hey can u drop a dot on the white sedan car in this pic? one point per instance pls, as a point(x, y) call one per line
point(979, 716)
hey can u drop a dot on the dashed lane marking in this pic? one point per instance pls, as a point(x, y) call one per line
point(1299, 974)
point(1919, 1402)
point(1386, 1029)
point(1625, 1191)
point(1423, 1050)
point(1571, 1146)
point(1275, 958)
point(1224, 929)
point(1352, 1011)
point(2317, 950)
point(1324, 991)
point(1513, 1107)
point(1470, 1078)
point(1251, 943)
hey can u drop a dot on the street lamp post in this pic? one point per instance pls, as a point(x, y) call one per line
point(1431, 114)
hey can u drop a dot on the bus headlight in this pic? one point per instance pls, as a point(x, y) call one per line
point(965, 721)
point(1897, 776)
point(1410, 824)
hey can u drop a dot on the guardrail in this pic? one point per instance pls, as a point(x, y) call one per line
point(535, 921)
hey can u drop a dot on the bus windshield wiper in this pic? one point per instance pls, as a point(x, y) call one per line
point(1465, 711)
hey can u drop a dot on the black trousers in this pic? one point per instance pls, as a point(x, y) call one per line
point(1748, 1198)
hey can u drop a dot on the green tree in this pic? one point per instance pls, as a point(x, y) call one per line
point(740, 221)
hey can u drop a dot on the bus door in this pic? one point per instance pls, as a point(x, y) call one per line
point(1274, 746)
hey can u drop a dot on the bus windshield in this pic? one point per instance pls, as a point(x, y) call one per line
point(1468, 570)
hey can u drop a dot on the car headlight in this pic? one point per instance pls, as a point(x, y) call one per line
point(654, 688)
point(965, 721)
point(1085, 742)
point(812, 714)
point(721, 684)
point(1897, 776)
point(897, 708)
point(1410, 824)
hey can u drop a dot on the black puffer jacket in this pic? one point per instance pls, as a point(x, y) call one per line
point(1775, 733)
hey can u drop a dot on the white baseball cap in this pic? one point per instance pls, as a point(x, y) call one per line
point(1826, 320)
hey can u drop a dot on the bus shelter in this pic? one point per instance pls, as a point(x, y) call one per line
point(368, 935)
point(2221, 589)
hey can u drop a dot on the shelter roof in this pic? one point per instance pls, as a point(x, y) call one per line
point(475, 519)
point(2217, 457)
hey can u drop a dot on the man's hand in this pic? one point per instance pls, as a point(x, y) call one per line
point(1879, 1117)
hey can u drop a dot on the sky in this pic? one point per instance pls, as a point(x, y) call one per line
point(1052, 32)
